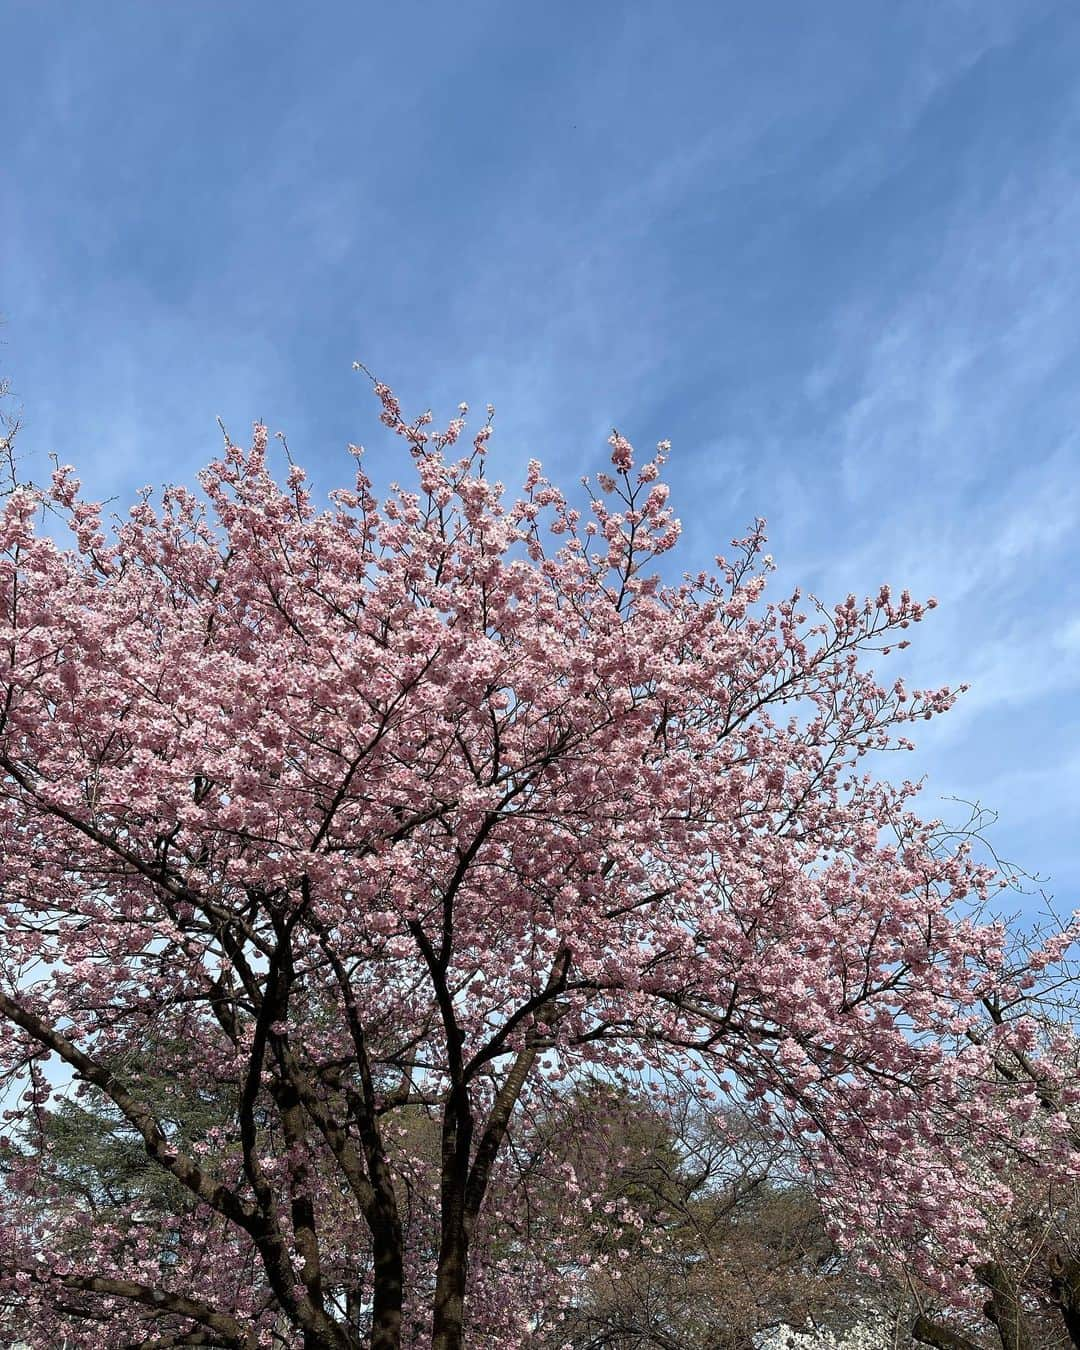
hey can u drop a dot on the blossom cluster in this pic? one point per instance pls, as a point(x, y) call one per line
point(383, 825)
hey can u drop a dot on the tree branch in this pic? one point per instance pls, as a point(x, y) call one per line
point(215, 1193)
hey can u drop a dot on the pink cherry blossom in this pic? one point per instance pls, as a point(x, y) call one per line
point(382, 825)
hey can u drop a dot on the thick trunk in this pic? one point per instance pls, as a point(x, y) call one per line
point(465, 1184)
point(939, 1336)
point(1065, 1289)
point(332, 1337)
point(448, 1327)
point(448, 1321)
point(387, 1292)
point(1003, 1308)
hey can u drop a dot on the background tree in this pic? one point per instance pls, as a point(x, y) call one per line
point(700, 1236)
point(1030, 1275)
point(399, 817)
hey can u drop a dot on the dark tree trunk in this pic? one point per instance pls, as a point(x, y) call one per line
point(448, 1322)
point(387, 1292)
point(939, 1336)
point(464, 1178)
point(1003, 1308)
point(448, 1328)
point(1065, 1290)
point(354, 1306)
point(315, 1340)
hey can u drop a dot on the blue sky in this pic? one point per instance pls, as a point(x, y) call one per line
point(831, 251)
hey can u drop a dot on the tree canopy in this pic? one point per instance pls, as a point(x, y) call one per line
point(388, 824)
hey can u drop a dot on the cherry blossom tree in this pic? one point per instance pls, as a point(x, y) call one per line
point(381, 825)
point(1029, 1274)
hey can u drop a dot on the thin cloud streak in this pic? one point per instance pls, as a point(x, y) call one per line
point(835, 261)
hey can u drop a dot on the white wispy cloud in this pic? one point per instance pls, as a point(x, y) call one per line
point(948, 449)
